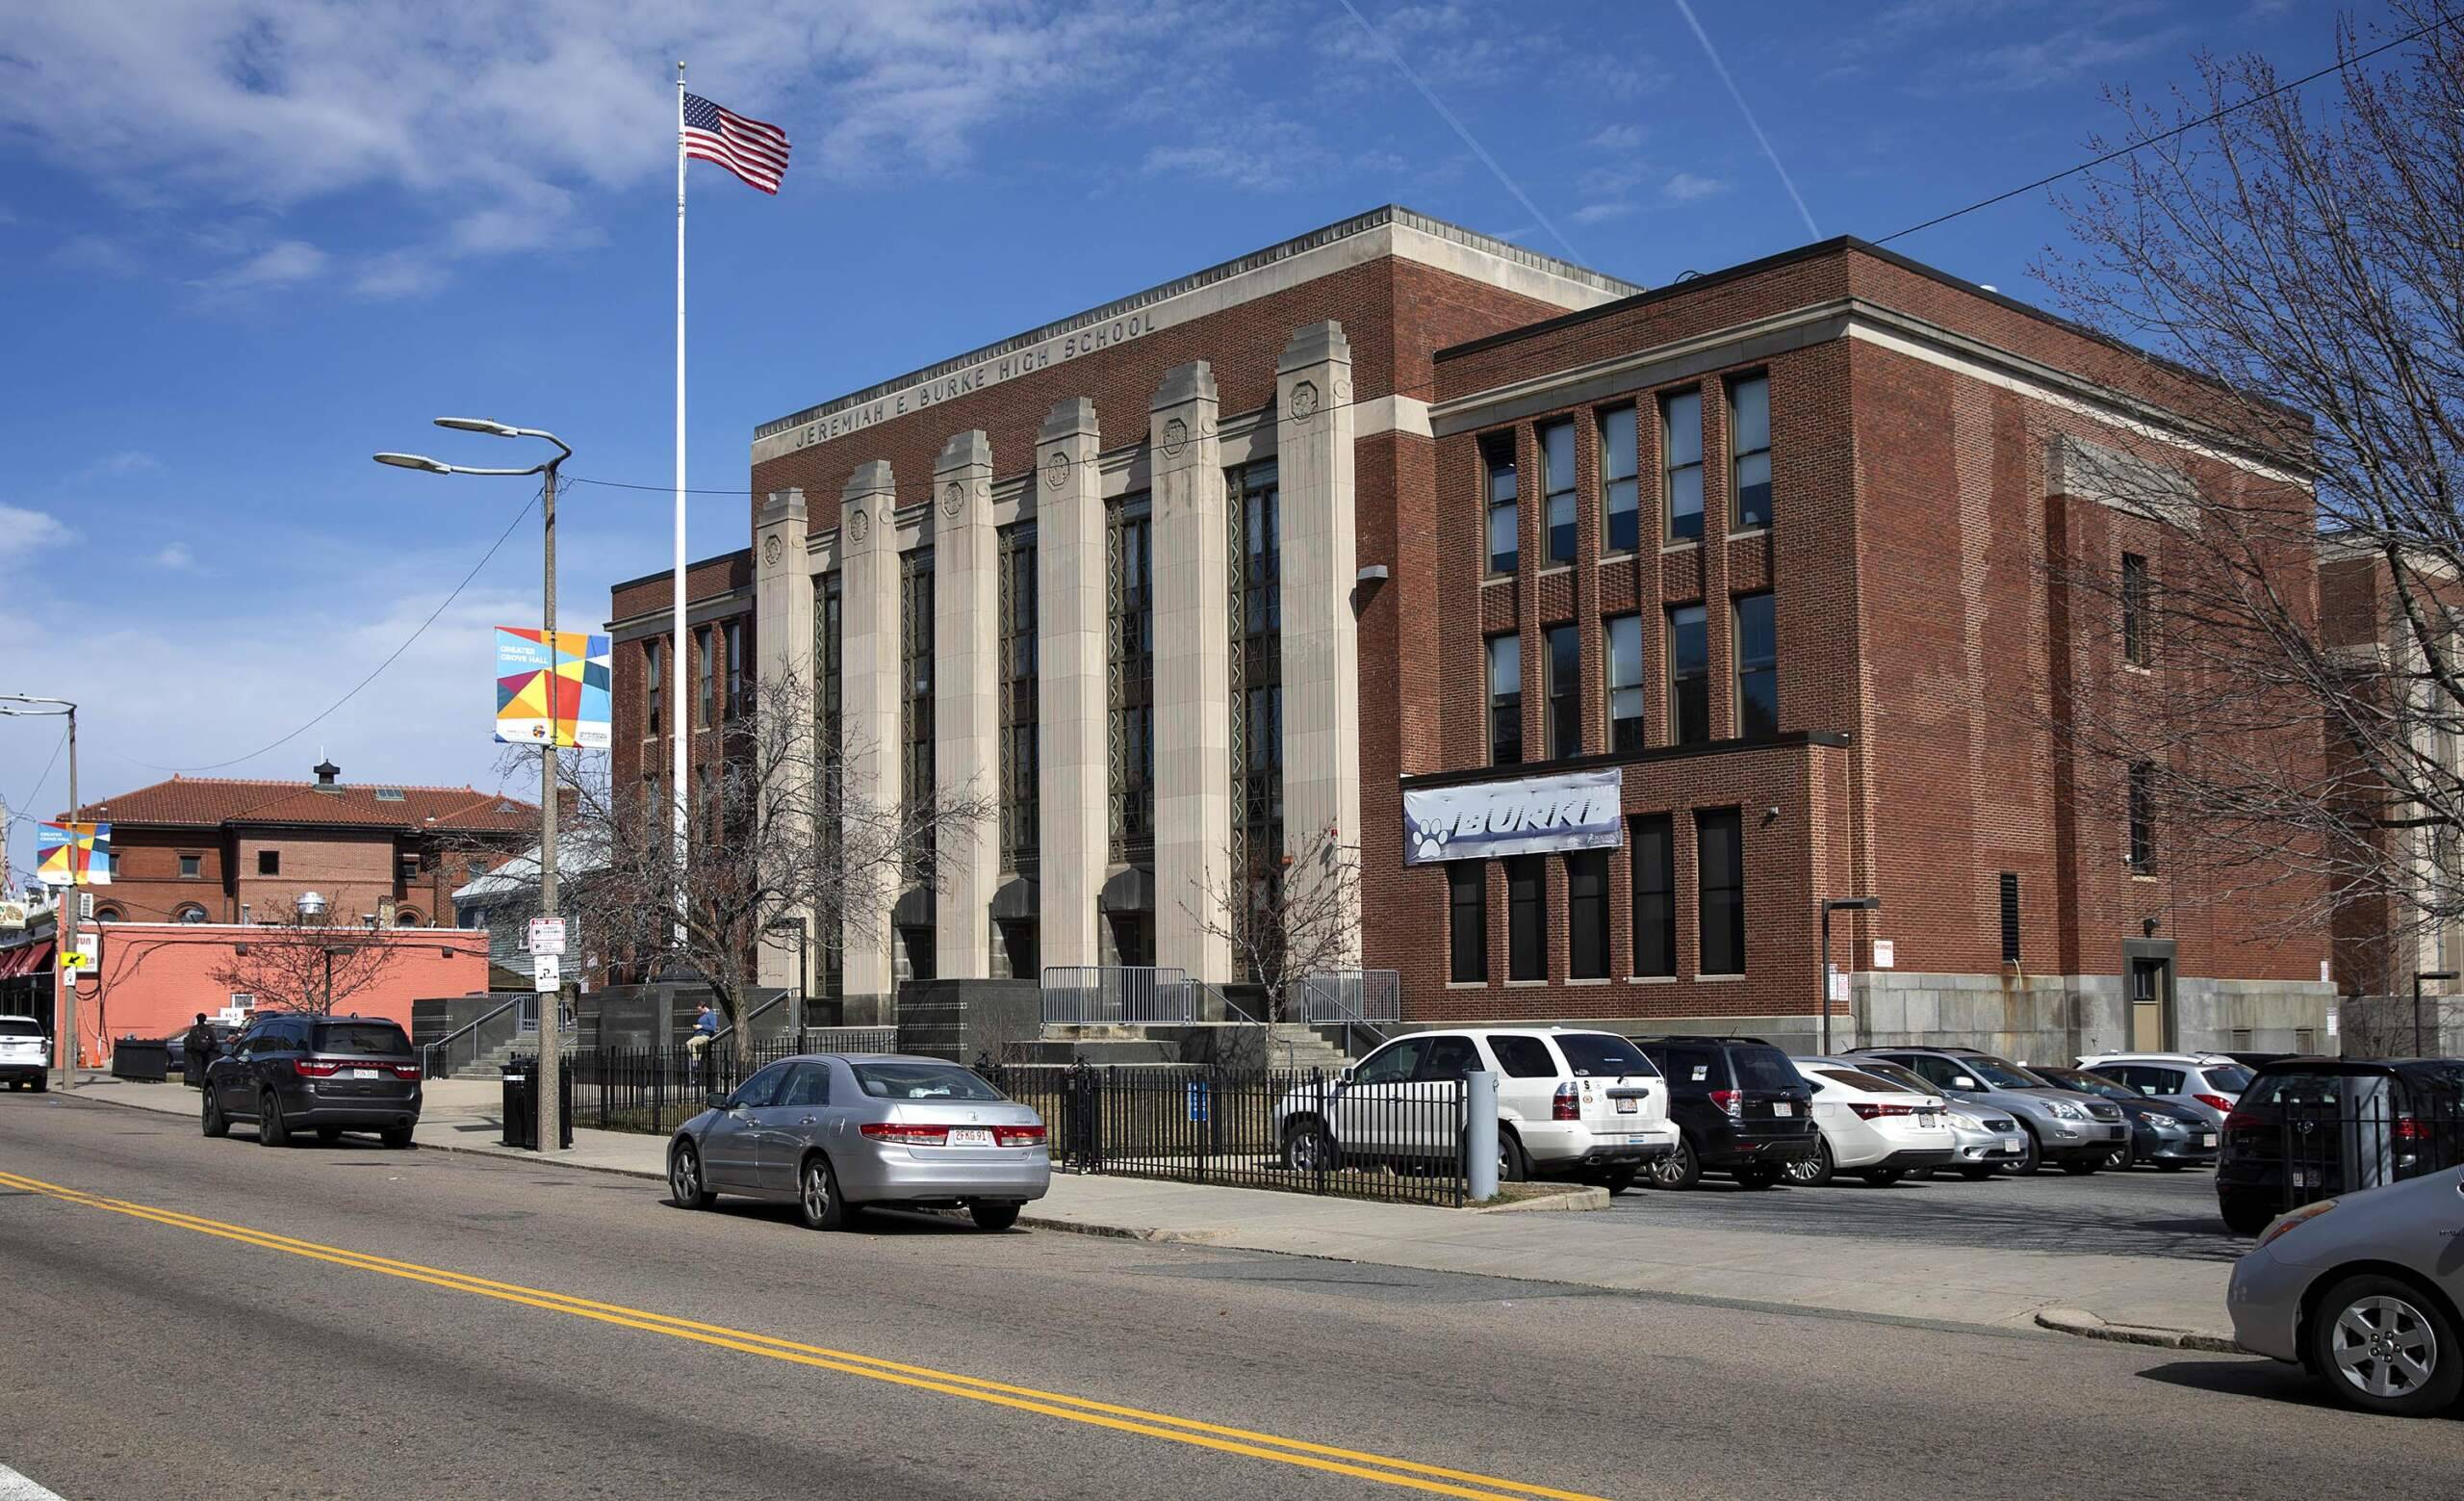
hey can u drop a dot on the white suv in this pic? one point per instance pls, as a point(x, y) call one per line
point(25, 1053)
point(1571, 1103)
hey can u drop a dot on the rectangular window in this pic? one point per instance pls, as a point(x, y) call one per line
point(1565, 692)
point(1681, 422)
point(1132, 741)
point(269, 862)
point(916, 690)
point(2142, 817)
point(1750, 449)
point(2134, 609)
point(1626, 683)
point(1557, 480)
point(1757, 668)
point(1654, 896)
point(1587, 915)
point(1253, 496)
point(704, 664)
point(1506, 700)
point(732, 634)
point(653, 688)
point(1689, 666)
point(1014, 611)
point(191, 867)
point(1720, 860)
point(2010, 918)
point(1466, 921)
point(1620, 488)
point(1505, 514)
point(409, 866)
point(1526, 908)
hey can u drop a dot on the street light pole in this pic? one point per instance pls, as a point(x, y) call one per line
point(2419, 976)
point(1837, 904)
point(551, 1011)
point(64, 919)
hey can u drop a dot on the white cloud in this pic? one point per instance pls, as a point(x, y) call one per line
point(24, 533)
point(119, 464)
point(176, 556)
point(1687, 188)
point(1618, 138)
point(1601, 213)
point(282, 264)
point(400, 274)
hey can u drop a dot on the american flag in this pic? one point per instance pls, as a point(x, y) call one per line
point(754, 151)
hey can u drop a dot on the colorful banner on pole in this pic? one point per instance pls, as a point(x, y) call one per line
point(73, 854)
point(577, 672)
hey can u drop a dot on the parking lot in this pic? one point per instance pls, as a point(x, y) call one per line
point(2138, 1213)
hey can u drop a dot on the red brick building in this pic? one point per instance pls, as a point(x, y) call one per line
point(216, 851)
point(1672, 613)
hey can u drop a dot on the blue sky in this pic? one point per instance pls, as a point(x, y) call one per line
point(247, 242)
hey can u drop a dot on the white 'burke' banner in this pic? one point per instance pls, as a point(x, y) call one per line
point(1526, 815)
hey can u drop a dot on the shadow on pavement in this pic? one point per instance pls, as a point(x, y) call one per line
point(2268, 1380)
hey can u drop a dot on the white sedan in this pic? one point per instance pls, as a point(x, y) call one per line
point(1870, 1126)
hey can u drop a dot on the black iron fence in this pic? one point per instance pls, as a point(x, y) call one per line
point(1300, 1131)
point(657, 1088)
point(2321, 1153)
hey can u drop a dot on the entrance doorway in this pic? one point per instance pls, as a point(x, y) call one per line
point(2151, 1005)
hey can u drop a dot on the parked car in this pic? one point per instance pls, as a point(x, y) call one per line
point(2310, 1128)
point(1983, 1139)
point(832, 1132)
point(1571, 1103)
point(25, 1053)
point(1875, 1128)
point(2210, 1082)
point(2072, 1131)
point(1740, 1107)
point(328, 1075)
point(2362, 1291)
point(2166, 1136)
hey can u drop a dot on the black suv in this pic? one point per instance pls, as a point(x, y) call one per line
point(328, 1075)
point(2311, 1128)
point(1740, 1108)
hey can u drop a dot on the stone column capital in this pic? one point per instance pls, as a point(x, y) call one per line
point(1071, 418)
point(1183, 384)
point(782, 506)
point(1315, 344)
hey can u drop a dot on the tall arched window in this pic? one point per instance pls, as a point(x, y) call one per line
point(407, 918)
point(188, 912)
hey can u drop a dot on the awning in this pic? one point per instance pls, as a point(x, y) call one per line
point(25, 959)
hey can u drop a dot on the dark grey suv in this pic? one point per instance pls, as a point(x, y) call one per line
point(328, 1074)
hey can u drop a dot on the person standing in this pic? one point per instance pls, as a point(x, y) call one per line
point(196, 1049)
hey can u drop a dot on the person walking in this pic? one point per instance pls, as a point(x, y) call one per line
point(197, 1050)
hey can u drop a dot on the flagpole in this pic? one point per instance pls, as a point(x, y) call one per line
point(680, 672)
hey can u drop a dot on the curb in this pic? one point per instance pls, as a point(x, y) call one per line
point(2087, 1325)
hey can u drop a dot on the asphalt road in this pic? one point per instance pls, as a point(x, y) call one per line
point(202, 1319)
point(2140, 1212)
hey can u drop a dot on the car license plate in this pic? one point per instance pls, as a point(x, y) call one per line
point(961, 1136)
point(1784, 1108)
point(363, 1074)
point(2304, 1179)
point(1629, 1106)
point(2208, 1140)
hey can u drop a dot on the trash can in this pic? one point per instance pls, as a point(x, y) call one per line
point(522, 1103)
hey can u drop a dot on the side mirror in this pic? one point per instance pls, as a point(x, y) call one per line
point(717, 1100)
point(1961, 1082)
point(1344, 1076)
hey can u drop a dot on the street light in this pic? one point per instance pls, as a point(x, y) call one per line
point(1837, 904)
point(2419, 976)
point(551, 1137)
point(64, 978)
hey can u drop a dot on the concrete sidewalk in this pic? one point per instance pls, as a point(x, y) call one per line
point(2145, 1298)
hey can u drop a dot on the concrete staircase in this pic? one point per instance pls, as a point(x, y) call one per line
point(1295, 1045)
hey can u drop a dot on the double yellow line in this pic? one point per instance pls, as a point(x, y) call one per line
point(1380, 1469)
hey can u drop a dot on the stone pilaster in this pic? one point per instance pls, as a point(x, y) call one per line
point(868, 618)
point(782, 607)
point(1193, 676)
point(966, 702)
point(1313, 426)
point(1073, 661)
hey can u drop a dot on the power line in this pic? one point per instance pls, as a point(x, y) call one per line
point(2183, 129)
point(17, 811)
point(374, 673)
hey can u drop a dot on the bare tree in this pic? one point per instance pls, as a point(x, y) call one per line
point(780, 827)
point(1285, 922)
point(313, 962)
point(2302, 255)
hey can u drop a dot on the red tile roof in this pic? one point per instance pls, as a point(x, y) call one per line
point(209, 802)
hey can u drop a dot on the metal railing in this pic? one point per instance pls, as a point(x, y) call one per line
point(437, 1059)
point(1117, 994)
point(1296, 1130)
point(755, 1015)
point(850, 1039)
point(1353, 1000)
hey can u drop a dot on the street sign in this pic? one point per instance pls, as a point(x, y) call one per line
point(1838, 985)
point(85, 906)
point(547, 937)
point(1885, 954)
point(82, 956)
point(1197, 1099)
point(546, 971)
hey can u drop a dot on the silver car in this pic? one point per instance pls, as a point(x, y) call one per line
point(831, 1132)
point(2074, 1131)
point(2362, 1290)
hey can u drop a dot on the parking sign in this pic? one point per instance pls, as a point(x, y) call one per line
point(547, 937)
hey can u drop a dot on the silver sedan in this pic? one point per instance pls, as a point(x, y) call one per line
point(832, 1132)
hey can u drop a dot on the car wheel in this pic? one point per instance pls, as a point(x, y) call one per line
point(2122, 1157)
point(1677, 1170)
point(2246, 1214)
point(2384, 1347)
point(271, 1131)
point(212, 1119)
point(1883, 1178)
point(1757, 1177)
point(42, 1084)
point(1617, 1181)
point(2081, 1167)
point(2030, 1162)
point(1308, 1149)
point(1976, 1174)
point(396, 1136)
point(992, 1216)
point(329, 1134)
point(1814, 1171)
point(817, 1196)
point(685, 1183)
point(1513, 1167)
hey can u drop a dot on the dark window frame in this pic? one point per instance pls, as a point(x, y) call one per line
point(1689, 684)
point(731, 643)
point(1526, 901)
point(1019, 685)
point(1757, 677)
point(1740, 456)
point(653, 687)
point(1561, 656)
point(2008, 891)
point(1620, 482)
point(269, 862)
point(1560, 539)
point(1504, 710)
point(2134, 609)
point(1719, 880)
point(1467, 922)
point(704, 682)
point(1498, 463)
point(1587, 937)
point(1676, 527)
point(1654, 857)
point(1129, 546)
point(2140, 815)
point(1626, 732)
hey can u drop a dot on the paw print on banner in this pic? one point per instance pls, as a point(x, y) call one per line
point(1429, 844)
